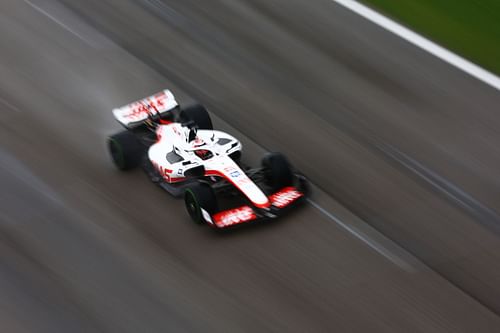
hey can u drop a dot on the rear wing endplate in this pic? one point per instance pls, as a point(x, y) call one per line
point(135, 113)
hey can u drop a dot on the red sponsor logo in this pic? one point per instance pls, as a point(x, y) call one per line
point(285, 197)
point(243, 181)
point(142, 108)
point(234, 216)
point(164, 172)
point(229, 169)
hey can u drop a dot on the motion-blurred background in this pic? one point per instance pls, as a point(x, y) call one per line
point(401, 234)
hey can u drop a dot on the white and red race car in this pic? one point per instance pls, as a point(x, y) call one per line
point(180, 151)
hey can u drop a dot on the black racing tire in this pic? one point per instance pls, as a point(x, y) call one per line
point(199, 115)
point(277, 170)
point(126, 150)
point(236, 157)
point(200, 196)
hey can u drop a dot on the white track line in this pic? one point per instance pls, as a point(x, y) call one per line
point(4, 102)
point(365, 239)
point(58, 22)
point(422, 42)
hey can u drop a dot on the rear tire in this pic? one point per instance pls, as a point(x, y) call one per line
point(126, 150)
point(197, 197)
point(277, 171)
point(199, 115)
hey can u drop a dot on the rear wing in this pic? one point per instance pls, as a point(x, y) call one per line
point(135, 113)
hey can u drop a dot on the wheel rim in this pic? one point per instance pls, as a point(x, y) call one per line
point(193, 207)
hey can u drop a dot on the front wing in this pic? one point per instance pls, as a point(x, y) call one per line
point(281, 202)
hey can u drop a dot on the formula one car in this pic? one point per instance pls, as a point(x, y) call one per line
point(181, 152)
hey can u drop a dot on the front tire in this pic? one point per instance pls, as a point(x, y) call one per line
point(126, 150)
point(198, 197)
point(277, 170)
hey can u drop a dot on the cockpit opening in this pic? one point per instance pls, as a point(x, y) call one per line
point(204, 154)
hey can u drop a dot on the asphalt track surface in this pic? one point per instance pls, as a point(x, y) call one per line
point(401, 234)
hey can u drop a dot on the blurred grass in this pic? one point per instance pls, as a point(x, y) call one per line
point(470, 28)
